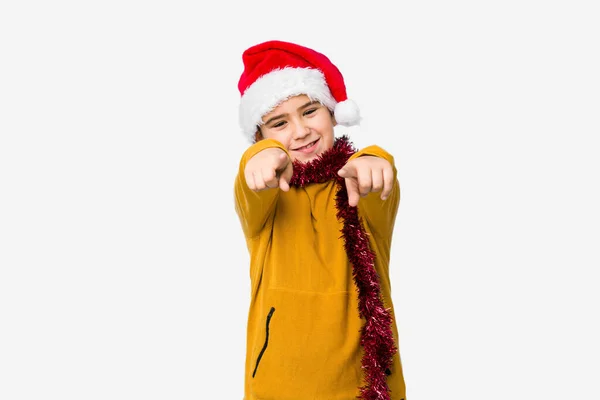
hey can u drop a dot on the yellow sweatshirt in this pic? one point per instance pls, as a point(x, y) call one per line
point(303, 330)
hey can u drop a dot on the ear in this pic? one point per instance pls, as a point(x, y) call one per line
point(333, 121)
point(258, 135)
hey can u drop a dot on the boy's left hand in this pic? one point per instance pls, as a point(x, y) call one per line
point(367, 174)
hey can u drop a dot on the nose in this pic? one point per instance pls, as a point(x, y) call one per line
point(301, 130)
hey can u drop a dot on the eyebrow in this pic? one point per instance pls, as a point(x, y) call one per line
point(310, 103)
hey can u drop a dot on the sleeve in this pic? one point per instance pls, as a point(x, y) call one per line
point(380, 214)
point(254, 208)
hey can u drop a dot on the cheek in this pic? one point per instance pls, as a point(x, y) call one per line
point(284, 139)
point(281, 136)
point(327, 134)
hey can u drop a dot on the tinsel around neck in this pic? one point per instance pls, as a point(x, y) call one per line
point(376, 334)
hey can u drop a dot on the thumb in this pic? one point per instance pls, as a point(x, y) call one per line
point(347, 171)
point(282, 160)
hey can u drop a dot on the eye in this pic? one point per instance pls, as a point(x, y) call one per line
point(278, 124)
point(310, 111)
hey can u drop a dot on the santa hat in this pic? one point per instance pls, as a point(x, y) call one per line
point(274, 71)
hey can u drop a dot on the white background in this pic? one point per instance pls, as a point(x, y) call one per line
point(123, 269)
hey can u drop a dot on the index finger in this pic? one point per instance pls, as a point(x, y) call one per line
point(353, 192)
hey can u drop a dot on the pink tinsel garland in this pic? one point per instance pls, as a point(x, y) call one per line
point(376, 334)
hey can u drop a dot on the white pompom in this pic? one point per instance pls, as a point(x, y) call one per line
point(347, 113)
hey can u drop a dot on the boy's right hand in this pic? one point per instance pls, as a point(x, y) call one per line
point(269, 169)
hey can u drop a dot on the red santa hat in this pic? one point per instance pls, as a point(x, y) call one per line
point(274, 71)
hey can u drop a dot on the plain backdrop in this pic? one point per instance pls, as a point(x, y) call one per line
point(123, 268)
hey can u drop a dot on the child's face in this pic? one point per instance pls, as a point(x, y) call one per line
point(298, 122)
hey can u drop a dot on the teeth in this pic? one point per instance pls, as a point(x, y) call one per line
point(307, 146)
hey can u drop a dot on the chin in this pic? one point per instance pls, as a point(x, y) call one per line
point(309, 157)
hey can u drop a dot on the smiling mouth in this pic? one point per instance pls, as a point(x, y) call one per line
point(307, 146)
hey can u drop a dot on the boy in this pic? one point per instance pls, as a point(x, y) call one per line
point(318, 218)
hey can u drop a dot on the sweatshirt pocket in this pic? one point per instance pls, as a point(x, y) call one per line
point(264, 348)
point(310, 349)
